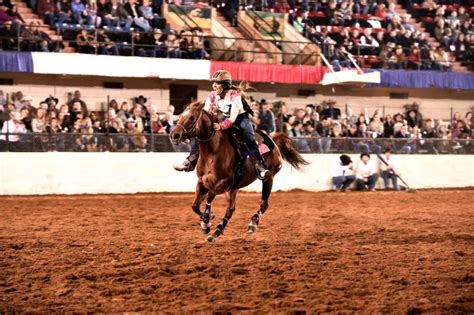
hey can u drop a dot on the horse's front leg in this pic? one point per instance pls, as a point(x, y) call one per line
point(199, 196)
point(207, 215)
point(230, 196)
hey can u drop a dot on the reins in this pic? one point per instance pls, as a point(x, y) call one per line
point(195, 125)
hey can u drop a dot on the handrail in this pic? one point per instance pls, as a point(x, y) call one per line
point(66, 142)
point(187, 16)
point(266, 23)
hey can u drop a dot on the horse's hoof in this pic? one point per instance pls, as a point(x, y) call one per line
point(252, 228)
point(205, 229)
point(211, 239)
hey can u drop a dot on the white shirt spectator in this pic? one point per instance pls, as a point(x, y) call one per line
point(342, 170)
point(12, 126)
point(391, 161)
point(365, 170)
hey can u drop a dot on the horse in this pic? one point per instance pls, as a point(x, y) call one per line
point(218, 163)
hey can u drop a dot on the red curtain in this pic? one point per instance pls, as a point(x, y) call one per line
point(252, 72)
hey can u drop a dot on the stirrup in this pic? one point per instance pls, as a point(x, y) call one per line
point(262, 171)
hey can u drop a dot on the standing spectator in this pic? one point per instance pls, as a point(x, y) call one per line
point(389, 169)
point(331, 111)
point(267, 119)
point(365, 173)
point(341, 177)
point(77, 98)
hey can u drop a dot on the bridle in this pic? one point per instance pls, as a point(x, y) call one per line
point(195, 126)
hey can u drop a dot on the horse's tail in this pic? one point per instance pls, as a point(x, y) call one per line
point(288, 150)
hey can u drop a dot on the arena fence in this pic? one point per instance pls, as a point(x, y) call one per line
point(149, 142)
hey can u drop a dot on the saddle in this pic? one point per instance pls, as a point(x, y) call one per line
point(264, 143)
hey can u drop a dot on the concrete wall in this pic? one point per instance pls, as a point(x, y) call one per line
point(97, 173)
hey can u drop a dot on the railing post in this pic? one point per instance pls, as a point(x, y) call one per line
point(17, 39)
point(96, 42)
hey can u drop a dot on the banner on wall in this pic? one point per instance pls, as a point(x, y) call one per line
point(195, 14)
point(268, 24)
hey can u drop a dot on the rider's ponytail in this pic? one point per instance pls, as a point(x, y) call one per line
point(242, 87)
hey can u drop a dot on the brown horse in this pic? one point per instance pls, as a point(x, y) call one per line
point(218, 163)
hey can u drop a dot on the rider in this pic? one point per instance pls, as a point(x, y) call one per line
point(227, 99)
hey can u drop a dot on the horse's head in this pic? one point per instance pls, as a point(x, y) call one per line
point(187, 123)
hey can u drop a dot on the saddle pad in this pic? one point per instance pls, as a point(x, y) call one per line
point(263, 148)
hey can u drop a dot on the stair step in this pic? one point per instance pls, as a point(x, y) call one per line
point(68, 50)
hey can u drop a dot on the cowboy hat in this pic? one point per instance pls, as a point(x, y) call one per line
point(56, 100)
point(141, 97)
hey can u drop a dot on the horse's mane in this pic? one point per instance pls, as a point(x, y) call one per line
point(199, 105)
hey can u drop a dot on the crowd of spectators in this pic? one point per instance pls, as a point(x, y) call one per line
point(381, 37)
point(322, 128)
point(326, 128)
point(134, 118)
point(108, 27)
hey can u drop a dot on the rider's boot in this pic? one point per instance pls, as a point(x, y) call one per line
point(188, 164)
point(261, 166)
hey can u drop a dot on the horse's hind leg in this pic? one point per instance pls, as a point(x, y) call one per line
point(266, 191)
point(207, 215)
point(230, 196)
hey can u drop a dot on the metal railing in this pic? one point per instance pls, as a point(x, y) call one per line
point(130, 47)
point(150, 142)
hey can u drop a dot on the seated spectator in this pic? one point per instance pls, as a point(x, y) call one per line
point(50, 14)
point(86, 42)
point(38, 123)
point(401, 132)
point(366, 175)
point(146, 11)
point(105, 45)
point(114, 15)
point(443, 60)
point(8, 36)
point(389, 169)
point(414, 58)
point(341, 177)
point(80, 14)
point(369, 43)
point(159, 48)
point(123, 113)
point(168, 122)
point(397, 60)
point(297, 132)
point(155, 124)
point(139, 21)
point(136, 141)
point(172, 45)
point(197, 45)
point(13, 125)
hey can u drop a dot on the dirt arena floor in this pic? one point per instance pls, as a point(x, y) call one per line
point(382, 252)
